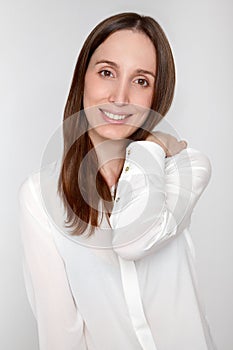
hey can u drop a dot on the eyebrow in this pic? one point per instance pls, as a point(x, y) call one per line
point(138, 71)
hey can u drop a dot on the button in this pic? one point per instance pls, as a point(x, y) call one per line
point(129, 151)
point(118, 198)
point(127, 168)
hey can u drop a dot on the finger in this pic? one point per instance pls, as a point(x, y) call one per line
point(185, 143)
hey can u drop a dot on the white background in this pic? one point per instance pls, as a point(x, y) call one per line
point(40, 41)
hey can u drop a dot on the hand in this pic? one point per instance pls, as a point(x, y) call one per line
point(168, 142)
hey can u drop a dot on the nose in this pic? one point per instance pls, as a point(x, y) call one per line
point(119, 93)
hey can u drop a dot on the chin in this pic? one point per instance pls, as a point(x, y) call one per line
point(116, 132)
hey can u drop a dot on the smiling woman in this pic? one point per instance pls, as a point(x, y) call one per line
point(113, 267)
point(125, 68)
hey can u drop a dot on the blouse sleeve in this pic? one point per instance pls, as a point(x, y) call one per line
point(60, 325)
point(155, 197)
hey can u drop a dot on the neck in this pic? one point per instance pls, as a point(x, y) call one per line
point(111, 156)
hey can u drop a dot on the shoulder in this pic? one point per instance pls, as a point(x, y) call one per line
point(30, 189)
point(37, 186)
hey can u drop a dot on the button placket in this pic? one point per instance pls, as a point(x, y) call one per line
point(127, 168)
point(127, 165)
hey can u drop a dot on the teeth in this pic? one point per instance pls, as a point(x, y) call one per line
point(114, 116)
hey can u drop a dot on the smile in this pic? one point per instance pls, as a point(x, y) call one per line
point(116, 116)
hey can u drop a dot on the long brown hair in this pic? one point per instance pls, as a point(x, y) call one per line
point(83, 213)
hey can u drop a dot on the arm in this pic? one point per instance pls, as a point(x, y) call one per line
point(155, 197)
point(60, 325)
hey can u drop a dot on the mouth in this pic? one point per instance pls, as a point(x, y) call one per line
point(115, 116)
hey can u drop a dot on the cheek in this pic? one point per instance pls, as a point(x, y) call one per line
point(89, 88)
point(94, 91)
point(87, 93)
point(145, 99)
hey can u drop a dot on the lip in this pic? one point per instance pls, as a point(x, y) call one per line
point(112, 121)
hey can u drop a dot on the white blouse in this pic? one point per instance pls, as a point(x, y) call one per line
point(132, 284)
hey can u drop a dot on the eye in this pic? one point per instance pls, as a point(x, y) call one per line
point(142, 82)
point(106, 73)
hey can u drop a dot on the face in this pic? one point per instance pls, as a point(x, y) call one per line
point(119, 85)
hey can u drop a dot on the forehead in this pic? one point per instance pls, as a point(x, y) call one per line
point(127, 45)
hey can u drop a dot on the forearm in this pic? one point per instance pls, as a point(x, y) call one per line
point(156, 199)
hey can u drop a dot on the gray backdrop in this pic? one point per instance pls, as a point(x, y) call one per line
point(40, 41)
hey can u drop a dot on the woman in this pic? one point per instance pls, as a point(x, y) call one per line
point(108, 257)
